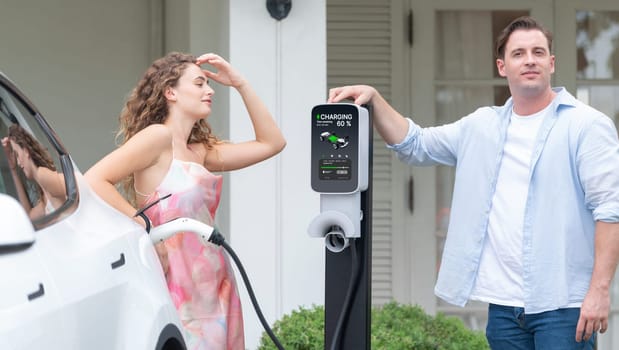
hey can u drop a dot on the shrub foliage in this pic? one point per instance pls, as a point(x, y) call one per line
point(394, 326)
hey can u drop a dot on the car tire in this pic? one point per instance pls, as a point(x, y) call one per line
point(170, 338)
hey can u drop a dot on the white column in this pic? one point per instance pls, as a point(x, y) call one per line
point(271, 204)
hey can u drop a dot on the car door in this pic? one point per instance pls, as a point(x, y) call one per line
point(92, 269)
point(78, 256)
point(30, 307)
point(31, 311)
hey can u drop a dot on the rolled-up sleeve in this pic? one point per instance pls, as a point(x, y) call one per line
point(598, 168)
point(428, 146)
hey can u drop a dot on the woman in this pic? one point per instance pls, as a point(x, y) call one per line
point(168, 148)
point(25, 152)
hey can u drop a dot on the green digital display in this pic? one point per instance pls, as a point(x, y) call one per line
point(335, 148)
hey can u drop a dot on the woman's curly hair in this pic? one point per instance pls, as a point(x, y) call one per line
point(39, 155)
point(147, 105)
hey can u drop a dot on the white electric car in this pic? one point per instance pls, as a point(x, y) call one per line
point(75, 273)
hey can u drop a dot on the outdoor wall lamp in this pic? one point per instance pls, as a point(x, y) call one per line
point(279, 9)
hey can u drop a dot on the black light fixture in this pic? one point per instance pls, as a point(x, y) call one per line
point(279, 9)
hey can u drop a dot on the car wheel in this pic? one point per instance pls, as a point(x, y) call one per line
point(170, 338)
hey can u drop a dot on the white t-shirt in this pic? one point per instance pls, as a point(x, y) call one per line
point(499, 279)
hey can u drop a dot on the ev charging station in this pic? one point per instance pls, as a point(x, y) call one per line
point(341, 168)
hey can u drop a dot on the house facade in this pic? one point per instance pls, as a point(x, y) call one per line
point(78, 60)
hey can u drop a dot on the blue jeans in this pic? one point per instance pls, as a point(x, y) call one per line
point(510, 329)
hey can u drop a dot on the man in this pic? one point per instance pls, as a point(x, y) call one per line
point(534, 226)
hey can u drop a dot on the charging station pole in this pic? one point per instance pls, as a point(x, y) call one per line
point(338, 270)
point(342, 172)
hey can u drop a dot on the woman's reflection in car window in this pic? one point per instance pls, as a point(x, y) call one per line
point(26, 153)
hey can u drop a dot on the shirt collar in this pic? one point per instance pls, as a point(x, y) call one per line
point(563, 98)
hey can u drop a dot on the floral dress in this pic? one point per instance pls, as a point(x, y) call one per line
point(200, 278)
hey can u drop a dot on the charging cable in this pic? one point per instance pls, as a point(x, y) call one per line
point(141, 213)
point(209, 234)
point(348, 300)
point(218, 239)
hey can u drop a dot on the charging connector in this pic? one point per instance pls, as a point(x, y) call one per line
point(211, 234)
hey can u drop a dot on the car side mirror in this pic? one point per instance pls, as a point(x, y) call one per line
point(17, 229)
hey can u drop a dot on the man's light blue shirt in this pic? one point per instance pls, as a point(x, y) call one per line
point(574, 181)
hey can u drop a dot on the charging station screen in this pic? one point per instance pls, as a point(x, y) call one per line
point(335, 148)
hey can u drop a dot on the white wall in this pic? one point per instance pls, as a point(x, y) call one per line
point(272, 203)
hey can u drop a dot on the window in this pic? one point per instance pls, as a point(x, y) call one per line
point(30, 168)
point(597, 51)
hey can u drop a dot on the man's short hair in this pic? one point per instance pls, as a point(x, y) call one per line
point(520, 23)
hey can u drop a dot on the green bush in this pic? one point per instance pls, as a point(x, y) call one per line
point(394, 326)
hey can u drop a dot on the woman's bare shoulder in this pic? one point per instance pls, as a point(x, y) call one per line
point(157, 136)
point(159, 130)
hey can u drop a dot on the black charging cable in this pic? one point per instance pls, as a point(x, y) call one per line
point(218, 239)
point(141, 212)
point(348, 300)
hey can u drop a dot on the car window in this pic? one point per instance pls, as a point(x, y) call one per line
point(30, 168)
